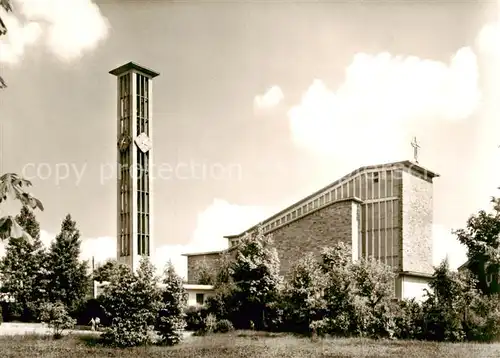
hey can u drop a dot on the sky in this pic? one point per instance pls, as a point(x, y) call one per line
point(257, 105)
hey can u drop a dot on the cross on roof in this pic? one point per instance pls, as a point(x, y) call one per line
point(415, 146)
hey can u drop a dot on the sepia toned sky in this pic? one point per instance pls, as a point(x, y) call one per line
point(258, 104)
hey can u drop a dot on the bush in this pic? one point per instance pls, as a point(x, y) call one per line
point(209, 325)
point(131, 302)
point(127, 333)
point(57, 318)
point(408, 319)
point(224, 326)
point(194, 317)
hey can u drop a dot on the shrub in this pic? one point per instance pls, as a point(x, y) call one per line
point(56, 317)
point(408, 319)
point(224, 326)
point(131, 302)
point(127, 333)
point(194, 317)
point(209, 325)
point(482, 319)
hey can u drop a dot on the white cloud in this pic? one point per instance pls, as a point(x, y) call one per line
point(447, 245)
point(380, 96)
point(68, 27)
point(271, 98)
point(488, 39)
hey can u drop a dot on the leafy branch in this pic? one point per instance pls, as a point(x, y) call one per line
point(13, 186)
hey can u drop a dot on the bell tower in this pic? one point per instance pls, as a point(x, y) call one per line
point(135, 158)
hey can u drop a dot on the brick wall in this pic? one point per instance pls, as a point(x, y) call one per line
point(417, 217)
point(321, 228)
point(193, 261)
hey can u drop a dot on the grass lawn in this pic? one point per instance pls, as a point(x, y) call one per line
point(245, 344)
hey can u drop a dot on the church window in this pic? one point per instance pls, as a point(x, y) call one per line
point(299, 211)
point(200, 298)
point(294, 214)
point(288, 217)
point(309, 206)
point(375, 177)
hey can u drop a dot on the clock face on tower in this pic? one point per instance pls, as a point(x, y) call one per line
point(143, 142)
point(124, 142)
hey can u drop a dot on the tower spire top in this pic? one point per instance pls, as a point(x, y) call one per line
point(132, 66)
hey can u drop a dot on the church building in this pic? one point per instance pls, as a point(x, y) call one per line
point(382, 211)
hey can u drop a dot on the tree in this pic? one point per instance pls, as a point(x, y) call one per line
point(482, 239)
point(69, 280)
point(256, 276)
point(444, 308)
point(171, 321)
point(131, 303)
point(374, 287)
point(221, 303)
point(336, 263)
point(104, 272)
point(22, 268)
point(12, 186)
point(304, 295)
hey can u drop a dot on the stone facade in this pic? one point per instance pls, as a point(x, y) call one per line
point(417, 216)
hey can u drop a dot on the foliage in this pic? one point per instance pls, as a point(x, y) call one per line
point(103, 273)
point(482, 239)
point(56, 317)
point(374, 282)
point(209, 326)
point(224, 326)
point(131, 302)
point(447, 305)
point(194, 317)
point(408, 318)
point(304, 296)
point(256, 277)
point(339, 291)
point(13, 186)
point(68, 276)
point(171, 323)
point(22, 269)
point(221, 303)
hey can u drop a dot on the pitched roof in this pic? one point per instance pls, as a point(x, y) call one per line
point(393, 165)
point(133, 66)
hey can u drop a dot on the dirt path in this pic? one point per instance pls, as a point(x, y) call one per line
point(8, 329)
